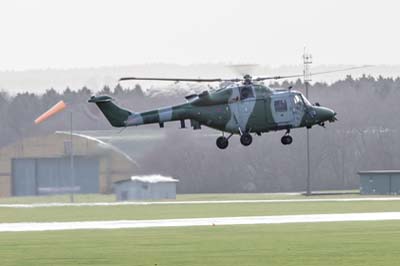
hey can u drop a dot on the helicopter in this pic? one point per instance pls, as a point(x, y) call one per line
point(242, 106)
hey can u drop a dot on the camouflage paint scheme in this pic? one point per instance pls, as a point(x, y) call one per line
point(236, 108)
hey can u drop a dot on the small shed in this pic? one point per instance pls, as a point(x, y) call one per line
point(151, 187)
point(380, 182)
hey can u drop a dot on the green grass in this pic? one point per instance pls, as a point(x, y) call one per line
point(132, 212)
point(58, 199)
point(180, 197)
point(262, 196)
point(111, 198)
point(353, 244)
point(341, 243)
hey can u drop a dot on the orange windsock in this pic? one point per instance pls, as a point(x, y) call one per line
point(52, 111)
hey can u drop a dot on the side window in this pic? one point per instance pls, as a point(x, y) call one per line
point(246, 92)
point(280, 106)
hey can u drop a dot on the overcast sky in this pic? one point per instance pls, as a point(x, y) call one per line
point(70, 34)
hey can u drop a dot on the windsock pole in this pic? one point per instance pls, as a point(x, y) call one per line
point(58, 107)
point(71, 152)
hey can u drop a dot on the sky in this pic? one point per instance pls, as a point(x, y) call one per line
point(64, 34)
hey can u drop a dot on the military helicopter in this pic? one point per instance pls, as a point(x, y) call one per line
point(242, 106)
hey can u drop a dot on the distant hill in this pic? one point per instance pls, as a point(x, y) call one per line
point(38, 81)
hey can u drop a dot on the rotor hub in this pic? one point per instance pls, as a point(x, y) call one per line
point(247, 79)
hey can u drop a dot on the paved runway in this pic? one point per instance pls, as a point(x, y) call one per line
point(281, 219)
point(42, 205)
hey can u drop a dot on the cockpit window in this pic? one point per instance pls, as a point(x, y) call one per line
point(306, 101)
point(297, 99)
point(246, 92)
point(298, 102)
point(280, 106)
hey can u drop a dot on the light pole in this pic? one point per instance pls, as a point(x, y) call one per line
point(307, 60)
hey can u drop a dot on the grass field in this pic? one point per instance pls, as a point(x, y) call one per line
point(340, 243)
point(111, 198)
point(355, 243)
point(133, 212)
point(179, 197)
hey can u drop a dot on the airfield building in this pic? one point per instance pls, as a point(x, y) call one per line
point(382, 182)
point(152, 187)
point(42, 166)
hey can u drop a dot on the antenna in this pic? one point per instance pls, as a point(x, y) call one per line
point(307, 61)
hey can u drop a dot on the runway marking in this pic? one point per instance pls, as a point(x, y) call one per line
point(250, 220)
point(90, 204)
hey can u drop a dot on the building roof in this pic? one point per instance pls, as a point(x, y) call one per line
point(379, 172)
point(151, 179)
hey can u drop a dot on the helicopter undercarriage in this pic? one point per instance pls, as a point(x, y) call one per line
point(287, 139)
point(246, 139)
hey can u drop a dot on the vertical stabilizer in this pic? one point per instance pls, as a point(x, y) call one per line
point(114, 114)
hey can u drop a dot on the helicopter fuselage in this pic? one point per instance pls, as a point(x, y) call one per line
point(236, 109)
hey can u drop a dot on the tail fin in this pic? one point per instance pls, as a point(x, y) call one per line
point(115, 115)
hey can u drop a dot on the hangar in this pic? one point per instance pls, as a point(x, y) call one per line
point(41, 166)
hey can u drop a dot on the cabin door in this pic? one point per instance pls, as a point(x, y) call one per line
point(281, 107)
point(246, 107)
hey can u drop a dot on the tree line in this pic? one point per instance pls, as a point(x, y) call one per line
point(365, 137)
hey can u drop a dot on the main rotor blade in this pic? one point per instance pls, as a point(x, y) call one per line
point(341, 70)
point(179, 79)
point(312, 74)
point(278, 77)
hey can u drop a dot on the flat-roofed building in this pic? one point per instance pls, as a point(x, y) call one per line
point(380, 182)
point(151, 187)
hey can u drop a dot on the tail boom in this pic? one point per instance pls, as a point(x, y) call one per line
point(119, 117)
point(158, 116)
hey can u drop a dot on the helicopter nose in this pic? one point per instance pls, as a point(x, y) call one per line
point(324, 114)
